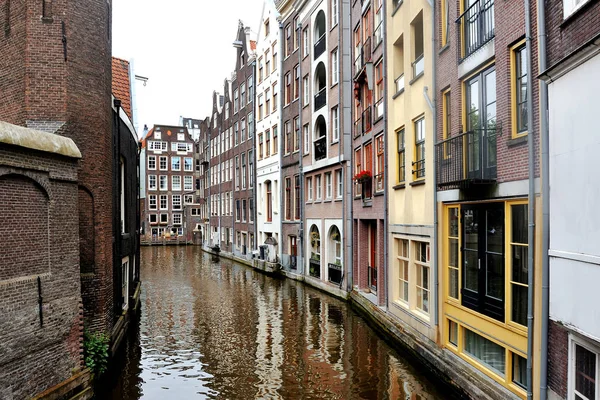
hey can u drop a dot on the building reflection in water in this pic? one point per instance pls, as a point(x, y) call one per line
point(215, 329)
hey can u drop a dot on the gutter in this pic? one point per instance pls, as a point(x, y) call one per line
point(436, 281)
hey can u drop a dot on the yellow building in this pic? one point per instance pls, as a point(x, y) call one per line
point(410, 185)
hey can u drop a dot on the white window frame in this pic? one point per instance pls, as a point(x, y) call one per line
point(176, 202)
point(328, 185)
point(305, 91)
point(150, 218)
point(163, 182)
point(157, 135)
point(420, 264)
point(176, 160)
point(177, 219)
point(166, 163)
point(334, 67)
point(176, 182)
point(339, 184)
point(150, 185)
point(152, 206)
point(570, 7)
point(152, 161)
point(181, 137)
point(319, 187)
point(185, 165)
point(166, 202)
point(576, 340)
point(309, 184)
point(188, 183)
point(334, 13)
point(335, 122)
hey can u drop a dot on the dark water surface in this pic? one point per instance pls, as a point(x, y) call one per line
point(217, 329)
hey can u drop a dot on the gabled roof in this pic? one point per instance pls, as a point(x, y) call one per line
point(121, 85)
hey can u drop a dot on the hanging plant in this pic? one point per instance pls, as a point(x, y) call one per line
point(314, 238)
point(363, 176)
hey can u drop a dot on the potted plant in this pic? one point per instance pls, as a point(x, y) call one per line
point(363, 176)
point(314, 239)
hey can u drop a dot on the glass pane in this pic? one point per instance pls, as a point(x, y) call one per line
point(405, 296)
point(495, 230)
point(471, 239)
point(519, 223)
point(495, 276)
point(453, 283)
point(485, 351)
point(519, 304)
point(473, 106)
point(426, 301)
point(453, 222)
point(453, 253)
point(425, 277)
point(453, 332)
point(519, 264)
point(471, 270)
point(585, 372)
point(519, 370)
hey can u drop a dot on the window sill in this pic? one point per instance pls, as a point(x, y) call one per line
point(334, 26)
point(517, 141)
point(416, 78)
point(396, 8)
point(417, 183)
point(334, 84)
point(377, 120)
point(327, 201)
point(376, 194)
point(444, 48)
point(399, 186)
point(338, 199)
point(397, 94)
point(306, 105)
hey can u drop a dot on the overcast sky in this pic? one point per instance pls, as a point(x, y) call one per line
point(185, 49)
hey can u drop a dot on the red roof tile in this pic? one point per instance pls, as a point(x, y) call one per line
point(121, 86)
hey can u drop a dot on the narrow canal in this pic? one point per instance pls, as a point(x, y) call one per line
point(217, 329)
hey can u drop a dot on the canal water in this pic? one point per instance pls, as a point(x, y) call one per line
point(217, 329)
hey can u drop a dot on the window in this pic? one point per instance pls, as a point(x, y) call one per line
point(288, 198)
point(334, 12)
point(251, 212)
point(446, 120)
point(306, 134)
point(518, 259)
point(242, 94)
point(267, 63)
point(309, 187)
point(275, 142)
point(237, 213)
point(519, 371)
point(175, 163)
point(237, 173)
point(164, 219)
point(335, 123)
point(251, 168)
point(260, 146)
point(176, 202)
point(236, 132)
point(296, 82)
point(485, 351)
point(570, 6)
point(242, 130)
point(243, 170)
point(163, 164)
point(422, 274)
point(151, 182)
point(339, 184)
point(288, 88)
point(357, 169)
point(260, 70)
point(378, 34)
point(267, 27)
point(296, 134)
point(250, 125)
point(519, 90)
point(163, 182)
point(244, 214)
point(305, 91)
point(296, 35)
point(260, 106)
point(152, 202)
point(268, 143)
point(334, 67)
point(236, 101)
point(445, 21)
point(453, 333)
point(269, 202)
point(319, 186)
point(403, 262)
point(419, 163)
point(452, 260)
point(267, 102)
point(250, 89)
point(297, 196)
point(379, 90)
point(305, 42)
point(164, 202)
point(418, 63)
point(288, 137)
point(583, 370)
point(153, 218)
point(157, 134)
point(176, 182)
point(152, 162)
point(188, 164)
point(274, 52)
point(188, 199)
point(188, 183)
point(176, 219)
point(288, 39)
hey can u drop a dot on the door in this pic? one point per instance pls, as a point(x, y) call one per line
point(373, 255)
point(483, 277)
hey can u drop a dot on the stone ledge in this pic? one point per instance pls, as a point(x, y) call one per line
point(38, 140)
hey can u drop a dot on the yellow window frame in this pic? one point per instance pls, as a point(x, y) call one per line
point(513, 91)
point(508, 263)
point(414, 162)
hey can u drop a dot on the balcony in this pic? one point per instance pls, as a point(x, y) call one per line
point(363, 56)
point(399, 84)
point(367, 120)
point(418, 66)
point(467, 159)
point(379, 109)
point(320, 99)
point(476, 26)
point(358, 60)
point(335, 273)
point(372, 276)
point(320, 148)
point(358, 129)
point(319, 47)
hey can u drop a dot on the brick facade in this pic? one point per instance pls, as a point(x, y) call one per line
point(558, 358)
point(38, 193)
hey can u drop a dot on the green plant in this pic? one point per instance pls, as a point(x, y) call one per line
point(95, 352)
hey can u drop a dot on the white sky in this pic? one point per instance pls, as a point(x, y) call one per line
point(185, 49)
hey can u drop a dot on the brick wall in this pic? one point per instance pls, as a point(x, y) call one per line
point(38, 193)
point(558, 358)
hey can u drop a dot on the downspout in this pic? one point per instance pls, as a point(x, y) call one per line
point(341, 138)
point(300, 153)
point(117, 217)
point(280, 136)
point(386, 215)
point(347, 198)
point(254, 246)
point(530, 205)
point(545, 137)
point(436, 280)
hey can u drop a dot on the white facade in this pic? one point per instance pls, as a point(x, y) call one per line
point(574, 193)
point(268, 130)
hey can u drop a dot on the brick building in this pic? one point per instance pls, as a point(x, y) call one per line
point(573, 66)
point(482, 179)
point(369, 200)
point(58, 79)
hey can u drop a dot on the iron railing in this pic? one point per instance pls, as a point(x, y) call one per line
point(320, 149)
point(314, 268)
point(399, 83)
point(476, 25)
point(367, 119)
point(335, 273)
point(419, 168)
point(467, 158)
point(358, 129)
point(418, 66)
point(372, 276)
point(320, 99)
point(319, 47)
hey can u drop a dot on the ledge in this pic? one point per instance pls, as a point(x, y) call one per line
point(397, 94)
point(417, 183)
point(400, 186)
point(513, 142)
point(416, 78)
point(38, 140)
point(443, 49)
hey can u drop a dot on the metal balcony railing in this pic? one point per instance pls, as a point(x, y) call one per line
point(418, 66)
point(319, 47)
point(372, 276)
point(314, 268)
point(399, 83)
point(476, 26)
point(379, 109)
point(320, 99)
point(320, 148)
point(468, 158)
point(334, 273)
point(367, 119)
point(358, 127)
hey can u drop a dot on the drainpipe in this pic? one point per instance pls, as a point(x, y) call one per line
point(386, 244)
point(347, 198)
point(436, 281)
point(300, 153)
point(280, 134)
point(545, 136)
point(530, 206)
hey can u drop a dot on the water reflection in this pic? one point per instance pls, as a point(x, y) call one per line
point(221, 330)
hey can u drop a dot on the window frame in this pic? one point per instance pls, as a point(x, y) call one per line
point(419, 173)
point(576, 340)
point(401, 158)
point(516, 51)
